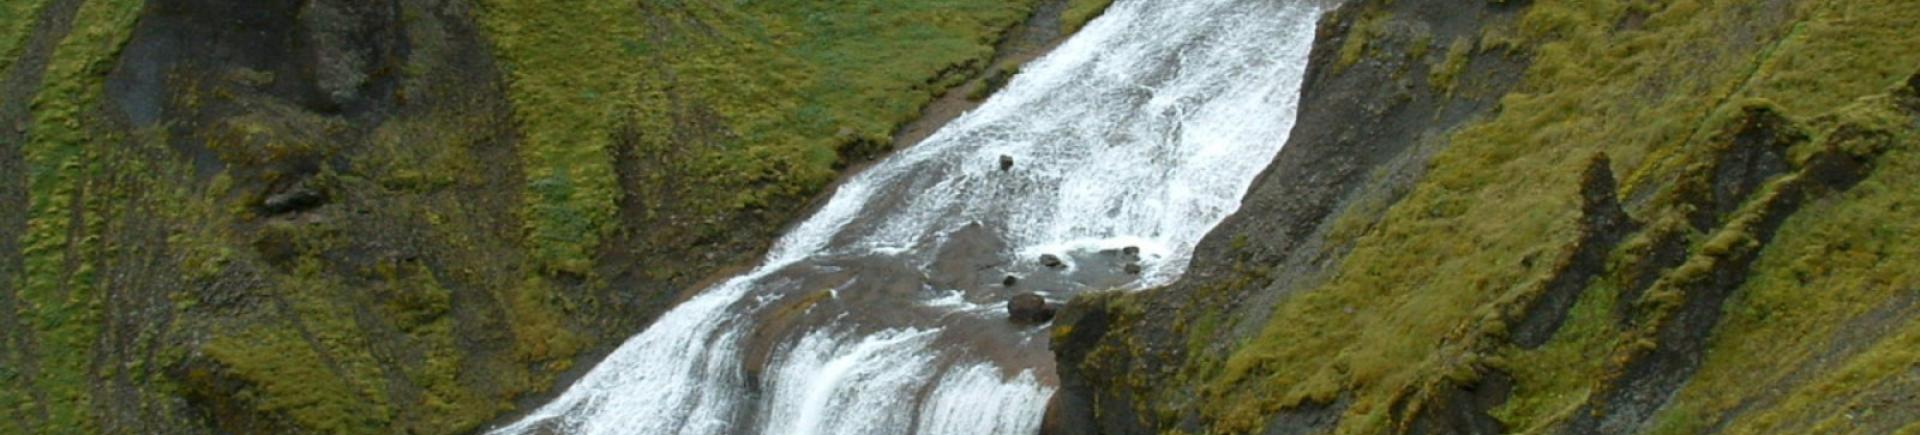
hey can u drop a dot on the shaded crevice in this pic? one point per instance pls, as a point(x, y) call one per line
point(1603, 223)
point(1309, 418)
point(1655, 252)
point(1458, 408)
point(1753, 153)
point(1908, 97)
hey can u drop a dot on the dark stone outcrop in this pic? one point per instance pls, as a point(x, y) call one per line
point(1087, 402)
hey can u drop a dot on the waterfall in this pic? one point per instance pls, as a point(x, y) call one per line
point(883, 312)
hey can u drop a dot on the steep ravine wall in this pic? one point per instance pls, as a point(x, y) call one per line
point(1550, 216)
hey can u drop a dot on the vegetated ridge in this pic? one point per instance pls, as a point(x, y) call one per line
point(1551, 216)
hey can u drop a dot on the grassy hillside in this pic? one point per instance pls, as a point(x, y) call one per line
point(325, 216)
point(774, 94)
point(1750, 279)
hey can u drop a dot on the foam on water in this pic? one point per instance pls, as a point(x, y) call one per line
point(1144, 130)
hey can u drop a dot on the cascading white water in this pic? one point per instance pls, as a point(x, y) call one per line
point(1144, 131)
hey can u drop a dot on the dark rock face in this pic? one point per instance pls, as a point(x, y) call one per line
point(1029, 308)
point(1006, 163)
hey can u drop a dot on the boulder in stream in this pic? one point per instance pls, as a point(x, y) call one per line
point(1029, 308)
point(1051, 261)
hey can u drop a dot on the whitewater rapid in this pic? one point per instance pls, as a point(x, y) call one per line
point(882, 313)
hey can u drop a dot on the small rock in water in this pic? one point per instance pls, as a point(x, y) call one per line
point(1133, 268)
point(1029, 308)
point(1010, 281)
point(1006, 162)
point(1051, 262)
point(1131, 250)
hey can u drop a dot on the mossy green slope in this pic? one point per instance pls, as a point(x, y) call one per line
point(1422, 299)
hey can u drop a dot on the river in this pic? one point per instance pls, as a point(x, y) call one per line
point(884, 312)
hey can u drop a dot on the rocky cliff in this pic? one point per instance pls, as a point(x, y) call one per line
point(294, 216)
point(1550, 216)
